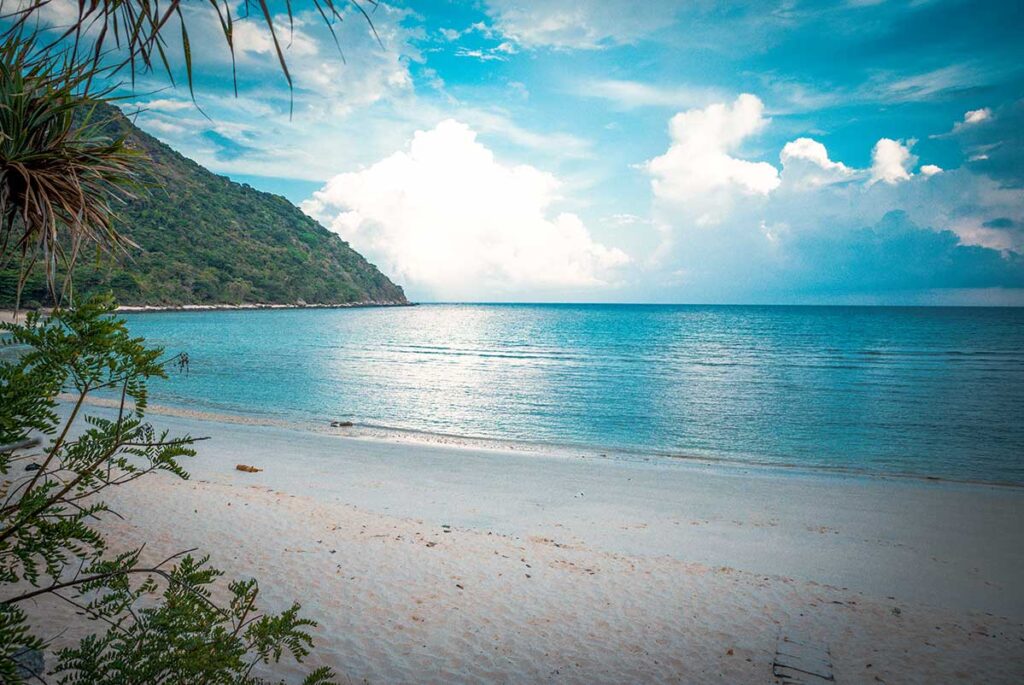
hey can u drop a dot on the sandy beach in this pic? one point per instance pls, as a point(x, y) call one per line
point(7, 316)
point(441, 563)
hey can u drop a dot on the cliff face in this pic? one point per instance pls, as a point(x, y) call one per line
point(204, 239)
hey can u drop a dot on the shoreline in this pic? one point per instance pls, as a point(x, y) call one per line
point(414, 437)
point(252, 306)
point(7, 315)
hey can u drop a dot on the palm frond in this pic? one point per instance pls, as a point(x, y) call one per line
point(136, 31)
point(61, 176)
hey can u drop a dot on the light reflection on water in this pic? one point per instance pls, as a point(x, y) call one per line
point(931, 391)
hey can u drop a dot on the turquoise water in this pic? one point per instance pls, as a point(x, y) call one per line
point(922, 391)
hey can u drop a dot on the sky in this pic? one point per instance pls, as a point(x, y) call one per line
point(852, 151)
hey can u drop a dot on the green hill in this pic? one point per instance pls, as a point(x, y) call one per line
point(204, 239)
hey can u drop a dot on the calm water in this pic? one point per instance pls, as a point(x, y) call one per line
point(925, 391)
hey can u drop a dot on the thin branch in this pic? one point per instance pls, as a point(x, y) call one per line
point(59, 496)
point(153, 570)
point(91, 612)
point(59, 441)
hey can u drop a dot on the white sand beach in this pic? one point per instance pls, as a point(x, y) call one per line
point(440, 563)
point(8, 316)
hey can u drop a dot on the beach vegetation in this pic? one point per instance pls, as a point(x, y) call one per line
point(169, 620)
point(137, 35)
point(66, 167)
point(60, 175)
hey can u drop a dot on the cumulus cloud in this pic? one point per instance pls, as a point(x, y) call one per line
point(821, 227)
point(699, 164)
point(970, 121)
point(994, 145)
point(891, 161)
point(452, 222)
point(805, 163)
point(976, 116)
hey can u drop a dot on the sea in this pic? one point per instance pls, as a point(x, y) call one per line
point(924, 392)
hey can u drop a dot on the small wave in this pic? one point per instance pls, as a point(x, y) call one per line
point(386, 433)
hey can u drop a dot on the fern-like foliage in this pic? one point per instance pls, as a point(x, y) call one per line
point(154, 623)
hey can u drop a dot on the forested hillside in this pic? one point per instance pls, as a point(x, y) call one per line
point(204, 239)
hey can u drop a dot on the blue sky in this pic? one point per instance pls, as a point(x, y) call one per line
point(854, 151)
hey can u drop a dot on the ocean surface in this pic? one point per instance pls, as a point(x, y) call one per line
point(919, 391)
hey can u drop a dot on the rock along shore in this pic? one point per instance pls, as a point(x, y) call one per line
point(132, 309)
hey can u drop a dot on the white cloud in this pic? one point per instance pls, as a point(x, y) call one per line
point(324, 81)
point(481, 55)
point(888, 87)
point(162, 105)
point(165, 127)
point(971, 119)
point(884, 87)
point(624, 219)
point(254, 37)
point(972, 232)
point(805, 164)
point(698, 164)
point(452, 222)
point(355, 110)
point(519, 89)
point(498, 123)
point(499, 52)
point(815, 216)
point(976, 116)
point(579, 24)
point(631, 94)
point(59, 14)
point(891, 161)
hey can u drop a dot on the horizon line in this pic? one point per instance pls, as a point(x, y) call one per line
point(714, 304)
